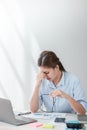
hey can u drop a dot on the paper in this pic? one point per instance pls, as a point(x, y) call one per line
point(39, 116)
point(46, 116)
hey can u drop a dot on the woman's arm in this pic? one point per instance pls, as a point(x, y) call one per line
point(76, 106)
point(34, 102)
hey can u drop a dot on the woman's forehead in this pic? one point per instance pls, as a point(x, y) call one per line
point(45, 69)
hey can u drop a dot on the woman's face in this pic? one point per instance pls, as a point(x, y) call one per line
point(50, 73)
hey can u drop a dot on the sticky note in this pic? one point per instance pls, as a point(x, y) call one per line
point(48, 126)
point(35, 124)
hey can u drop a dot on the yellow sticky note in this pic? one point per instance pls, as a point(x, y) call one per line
point(48, 126)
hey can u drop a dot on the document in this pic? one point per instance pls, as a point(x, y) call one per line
point(45, 115)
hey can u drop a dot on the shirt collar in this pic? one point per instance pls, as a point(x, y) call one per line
point(61, 82)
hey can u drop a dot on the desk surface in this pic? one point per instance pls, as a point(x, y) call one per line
point(61, 126)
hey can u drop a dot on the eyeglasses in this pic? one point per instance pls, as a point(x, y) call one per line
point(52, 105)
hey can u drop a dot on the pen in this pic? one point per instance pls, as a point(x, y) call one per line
point(24, 113)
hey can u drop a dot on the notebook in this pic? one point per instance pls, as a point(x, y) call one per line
point(7, 115)
point(82, 118)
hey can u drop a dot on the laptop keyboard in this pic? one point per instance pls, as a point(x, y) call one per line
point(19, 121)
point(24, 119)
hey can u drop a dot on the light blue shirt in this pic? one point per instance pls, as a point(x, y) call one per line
point(71, 85)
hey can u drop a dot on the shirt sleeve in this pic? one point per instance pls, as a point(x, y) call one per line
point(79, 94)
point(40, 97)
point(40, 101)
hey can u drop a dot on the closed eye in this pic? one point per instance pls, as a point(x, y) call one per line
point(46, 72)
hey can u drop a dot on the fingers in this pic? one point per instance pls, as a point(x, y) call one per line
point(56, 93)
point(40, 77)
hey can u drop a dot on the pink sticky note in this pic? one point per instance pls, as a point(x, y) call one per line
point(35, 124)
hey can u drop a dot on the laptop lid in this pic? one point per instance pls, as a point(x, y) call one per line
point(7, 114)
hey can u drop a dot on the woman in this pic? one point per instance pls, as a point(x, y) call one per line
point(59, 90)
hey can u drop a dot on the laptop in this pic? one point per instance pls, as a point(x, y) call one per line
point(7, 115)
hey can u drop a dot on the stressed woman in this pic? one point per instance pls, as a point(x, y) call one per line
point(57, 89)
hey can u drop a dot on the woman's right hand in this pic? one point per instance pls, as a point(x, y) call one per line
point(40, 77)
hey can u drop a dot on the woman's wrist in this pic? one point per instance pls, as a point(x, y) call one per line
point(37, 85)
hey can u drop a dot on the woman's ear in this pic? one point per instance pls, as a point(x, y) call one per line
point(57, 66)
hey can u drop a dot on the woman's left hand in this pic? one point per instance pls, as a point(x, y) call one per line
point(59, 93)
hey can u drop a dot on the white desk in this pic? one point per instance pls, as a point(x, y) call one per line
point(60, 126)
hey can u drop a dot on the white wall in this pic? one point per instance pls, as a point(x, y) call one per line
point(26, 28)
